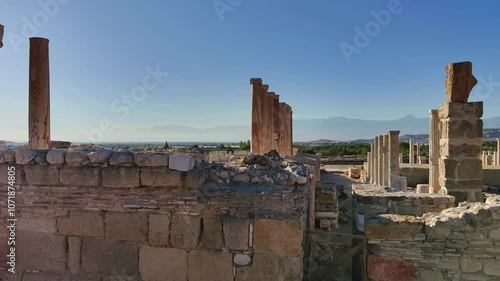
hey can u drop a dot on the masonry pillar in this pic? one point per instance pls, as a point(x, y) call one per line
point(375, 161)
point(411, 152)
point(434, 137)
point(39, 94)
point(257, 115)
point(368, 157)
point(393, 158)
point(460, 166)
point(290, 131)
point(270, 128)
point(385, 160)
point(380, 161)
point(418, 153)
point(401, 158)
point(372, 162)
point(498, 152)
point(276, 124)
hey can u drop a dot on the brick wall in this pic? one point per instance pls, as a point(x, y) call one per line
point(103, 215)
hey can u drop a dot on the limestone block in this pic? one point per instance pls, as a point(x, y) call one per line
point(40, 251)
point(242, 259)
point(24, 156)
point(395, 227)
point(75, 158)
point(269, 238)
point(160, 177)
point(109, 257)
point(241, 178)
point(431, 275)
point(470, 169)
point(166, 264)
point(210, 266)
point(382, 268)
point(41, 174)
point(236, 234)
point(121, 158)
point(291, 268)
point(126, 226)
point(80, 176)
point(74, 249)
point(99, 156)
point(422, 188)
point(38, 223)
point(470, 265)
point(491, 267)
point(194, 178)
point(9, 156)
point(151, 159)
point(264, 267)
point(181, 163)
point(41, 276)
point(115, 177)
point(55, 157)
point(402, 184)
point(185, 231)
point(159, 230)
point(460, 110)
point(462, 150)
point(59, 144)
point(459, 81)
point(212, 233)
point(81, 224)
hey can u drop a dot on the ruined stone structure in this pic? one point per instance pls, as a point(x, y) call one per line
point(39, 94)
point(384, 159)
point(434, 136)
point(107, 215)
point(271, 121)
point(460, 166)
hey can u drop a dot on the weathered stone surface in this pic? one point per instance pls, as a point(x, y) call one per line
point(121, 158)
point(122, 177)
point(470, 265)
point(194, 178)
point(494, 234)
point(461, 110)
point(160, 177)
point(80, 176)
point(9, 156)
point(99, 156)
point(291, 268)
point(459, 81)
point(269, 238)
point(241, 178)
point(163, 264)
point(159, 230)
point(242, 259)
point(59, 144)
point(40, 276)
point(185, 231)
point(264, 267)
point(422, 188)
point(431, 275)
point(492, 267)
point(81, 224)
point(75, 158)
point(41, 174)
point(181, 162)
point(109, 257)
point(74, 249)
point(151, 159)
point(470, 169)
point(212, 233)
point(384, 269)
point(223, 175)
point(24, 156)
point(127, 226)
point(41, 251)
point(55, 157)
point(236, 234)
point(388, 226)
point(210, 266)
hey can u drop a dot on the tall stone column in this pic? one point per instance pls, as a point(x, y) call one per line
point(380, 161)
point(368, 160)
point(1, 35)
point(460, 166)
point(498, 151)
point(270, 128)
point(39, 94)
point(418, 152)
point(375, 161)
point(393, 158)
point(434, 137)
point(412, 152)
point(372, 163)
point(401, 158)
point(276, 124)
point(290, 131)
point(257, 116)
point(385, 160)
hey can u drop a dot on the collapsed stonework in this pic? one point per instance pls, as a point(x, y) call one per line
point(105, 215)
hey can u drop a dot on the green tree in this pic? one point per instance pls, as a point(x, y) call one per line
point(244, 145)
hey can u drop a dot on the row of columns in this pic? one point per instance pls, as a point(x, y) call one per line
point(414, 149)
point(383, 160)
point(490, 158)
point(272, 126)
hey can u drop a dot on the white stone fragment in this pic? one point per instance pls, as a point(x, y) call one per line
point(181, 163)
point(242, 259)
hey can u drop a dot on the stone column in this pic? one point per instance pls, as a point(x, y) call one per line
point(276, 124)
point(1, 35)
point(401, 158)
point(411, 153)
point(290, 130)
point(375, 161)
point(368, 157)
point(385, 160)
point(498, 151)
point(372, 162)
point(270, 129)
point(393, 158)
point(434, 137)
point(483, 157)
point(380, 161)
point(283, 127)
point(460, 167)
point(418, 152)
point(39, 94)
point(256, 141)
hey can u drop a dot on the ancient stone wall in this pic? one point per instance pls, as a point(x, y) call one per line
point(104, 215)
point(460, 243)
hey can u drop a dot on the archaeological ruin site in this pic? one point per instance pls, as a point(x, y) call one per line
point(84, 213)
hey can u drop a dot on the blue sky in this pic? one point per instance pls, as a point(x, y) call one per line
point(99, 51)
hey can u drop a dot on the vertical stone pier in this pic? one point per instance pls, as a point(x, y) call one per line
point(39, 94)
point(270, 128)
point(418, 153)
point(372, 163)
point(257, 115)
point(498, 151)
point(411, 155)
point(290, 130)
point(393, 158)
point(385, 160)
point(368, 161)
point(375, 161)
point(380, 160)
point(276, 124)
point(460, 166)
point(434, 137)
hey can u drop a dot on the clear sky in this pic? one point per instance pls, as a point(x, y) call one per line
point(100, 51)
